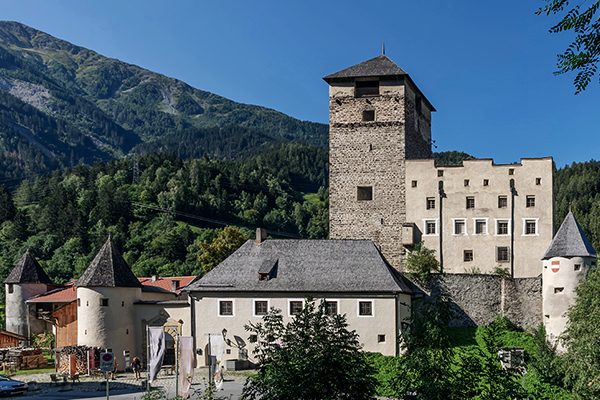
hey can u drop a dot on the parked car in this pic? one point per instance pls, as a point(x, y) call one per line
point(10, 386)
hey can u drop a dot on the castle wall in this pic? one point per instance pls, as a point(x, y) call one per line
point(436, 214)
point(17, 310)
point(480, 298)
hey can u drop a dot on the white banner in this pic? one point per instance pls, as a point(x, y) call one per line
point(216, 349)
point(186, 365)
point(156, 339)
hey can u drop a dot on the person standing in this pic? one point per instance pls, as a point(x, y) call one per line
point(136, 365)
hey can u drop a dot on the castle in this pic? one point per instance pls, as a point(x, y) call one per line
point(386, 195)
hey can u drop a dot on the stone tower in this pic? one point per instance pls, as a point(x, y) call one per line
point(26, 280)
point(566, 262)
point(106, 293)
point(378, 118)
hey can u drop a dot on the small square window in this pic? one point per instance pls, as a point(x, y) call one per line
point(364, 193)
point(511, 171)
point(468, 255)
point(502, 202)
point(414, 183)
point(502, 228)
point(228, 351)
point(430, 228)
point(466, 182)
point(331, 308)
point(502, 254)
point(538, 181)
point(380, 338)
point(558, 289)
point(253, 338)
point(103, 302)
point(459, 227)
point(480, 227)
point(368, 115)
point(365, 308)
point(530, 201)
point(577, 267)
point(261, 307)
point(486, 182)
point(430, 203)
point(530, 227)
point(295, 307)
point(440, 172)
point(470, 202)
point(226, 307)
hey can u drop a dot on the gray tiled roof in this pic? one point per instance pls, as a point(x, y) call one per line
point(570, 241)
point(28, 270)
point(378, 66)
point(304, 266)
point(108, 269)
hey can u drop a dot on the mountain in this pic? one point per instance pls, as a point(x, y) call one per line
point(61, 104)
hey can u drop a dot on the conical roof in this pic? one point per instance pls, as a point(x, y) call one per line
point(108, 269)
point(28, 270)
point(378, 66)
point(570, 241)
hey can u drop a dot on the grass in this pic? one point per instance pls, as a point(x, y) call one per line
point(35, 371)
point(311, 198)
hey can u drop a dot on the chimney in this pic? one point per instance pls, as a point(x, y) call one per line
point(154, 278)
point(261, 235)
point(174, 285)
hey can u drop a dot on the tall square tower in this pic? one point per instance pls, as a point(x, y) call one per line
point(378, 118)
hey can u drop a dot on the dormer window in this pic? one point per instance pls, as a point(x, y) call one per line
point(267, 270)
point(263, 277)
point(366, 88)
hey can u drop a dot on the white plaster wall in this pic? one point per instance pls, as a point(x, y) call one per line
point(559, 273)
point(383, 321)
point(107, 327)
point(16, 308)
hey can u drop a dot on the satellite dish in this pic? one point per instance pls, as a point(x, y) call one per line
point(240, 342)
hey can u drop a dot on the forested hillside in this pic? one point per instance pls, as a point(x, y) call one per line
point(62, 105)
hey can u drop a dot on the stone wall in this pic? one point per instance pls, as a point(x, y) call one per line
point(480, 298)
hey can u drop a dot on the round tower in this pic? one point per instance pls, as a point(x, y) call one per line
point(567, 261)
point(106, 293)
point(26, 280)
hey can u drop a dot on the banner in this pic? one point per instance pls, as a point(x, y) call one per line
point(217, 346)
point(186, 365)
point(156, 340)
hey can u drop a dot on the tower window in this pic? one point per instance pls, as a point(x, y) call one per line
point(502, 201)
point(530, 201)
point(538, 181)
point(468, 255)
point(368, 115)
point(486, 182)
point(364, 193)
point(440, 172)
point(103, 302)
point(577, 267)
point(470, 202)
point(511, 171)
point(10, 288)
point(431, 203)
point(380, 338)
point(414, 183)
point(366, 89)
point(466, 182)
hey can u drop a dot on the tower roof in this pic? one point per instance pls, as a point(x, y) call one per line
point(570, 241)
point(108, 269)
point(28, 270)
point(378, 66)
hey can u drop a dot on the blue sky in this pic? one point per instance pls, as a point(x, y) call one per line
point(487, 67)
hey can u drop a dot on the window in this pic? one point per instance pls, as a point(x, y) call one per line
point(226, 307)
point(466, 182)
point(365, 308)
point(440, 172)
point(79, 302)
point(366, 88)
point(430, 203)
point(511, 171)
point(228, 351)
point(502, 201)
point(331, 308)
point(430, 226)
point(486, 182)
point(364, 193)
point(470, 202)
point(577, 267)
point(10, 288)
point(122, 304)
point(538, 181)
point(502, 227)
point(380, 338)
point(502, 254)
point(414, 183)
point(530, 201)
point(261, 307)
point(530, 227)
point(468, 255)
point(295, 307)
point(481, 227)
point(459, 227)
point(104, 302)
point(558, 289)
point(368, 115)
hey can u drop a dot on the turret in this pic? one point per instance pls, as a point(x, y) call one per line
point(106, 293)
point(567, 261)
point(26, 280)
